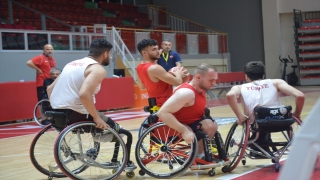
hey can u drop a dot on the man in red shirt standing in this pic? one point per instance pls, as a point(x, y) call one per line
point(185, 109)
point(42, 64)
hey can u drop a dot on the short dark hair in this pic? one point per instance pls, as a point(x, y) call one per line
point(98, 47)
point(145, 43)
point(254, 70)
point(203, 68)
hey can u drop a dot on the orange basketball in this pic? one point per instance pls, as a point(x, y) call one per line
point(185, 79)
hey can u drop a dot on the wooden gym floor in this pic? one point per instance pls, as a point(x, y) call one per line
point(15, 140)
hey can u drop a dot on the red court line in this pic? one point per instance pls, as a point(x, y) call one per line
point(268, 173)
point(18, 129)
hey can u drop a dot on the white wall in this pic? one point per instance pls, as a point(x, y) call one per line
point(271, 36)
point(278, 31)
point(287, 6)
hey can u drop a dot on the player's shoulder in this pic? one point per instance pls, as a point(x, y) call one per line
point(38, 57)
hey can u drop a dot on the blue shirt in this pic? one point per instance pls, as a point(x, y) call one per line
point(173, 57)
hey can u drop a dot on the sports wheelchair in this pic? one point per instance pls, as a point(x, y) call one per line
point(162, 153)
point(153, 108)
point(267, 121)
point(79, 150)
point(39, 112)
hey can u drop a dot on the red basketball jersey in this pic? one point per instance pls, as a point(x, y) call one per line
point(190, 114)
point(161, 91)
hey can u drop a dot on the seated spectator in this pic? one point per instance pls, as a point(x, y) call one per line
point(54, 73)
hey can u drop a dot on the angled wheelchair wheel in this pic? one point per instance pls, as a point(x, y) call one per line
point(85, 152)
point(39, 111)
point(295, 127)
point(41, 152)
point(167, 156)
point(236, 143)
point(142, 129)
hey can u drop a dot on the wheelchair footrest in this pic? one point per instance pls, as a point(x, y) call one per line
point(213, 165)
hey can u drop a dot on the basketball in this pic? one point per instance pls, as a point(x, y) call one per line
point(185, 79)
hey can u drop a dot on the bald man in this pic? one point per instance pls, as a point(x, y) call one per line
point(42, 64)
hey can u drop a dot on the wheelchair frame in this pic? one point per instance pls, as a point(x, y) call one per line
point(238, 139)
point(160, 144)
point(82, 154)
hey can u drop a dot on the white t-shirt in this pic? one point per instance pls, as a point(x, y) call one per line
point(259, 93)
point(65, 94)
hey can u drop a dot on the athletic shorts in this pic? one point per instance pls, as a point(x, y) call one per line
point(74, 116)
point(197, 126)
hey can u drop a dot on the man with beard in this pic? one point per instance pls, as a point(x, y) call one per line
point(168, 58)
point(73, 92)
point(187, 107)
point(42, 64)
point(152, 76)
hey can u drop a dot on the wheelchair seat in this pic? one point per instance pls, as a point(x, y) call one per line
point(59, 119)
point(273, 119)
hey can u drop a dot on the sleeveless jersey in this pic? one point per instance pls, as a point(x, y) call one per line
point(191, 114)
point(65, 94)
point(259, 93)
point(160, 90)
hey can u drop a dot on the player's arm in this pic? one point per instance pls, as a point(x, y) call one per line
point(140, 84)
point(232, 97)
point(51, 86)
point(33, 66)
point(178, 64)
point(160, 73)
point(94, 75)
point(289, 90)
point(182, 97)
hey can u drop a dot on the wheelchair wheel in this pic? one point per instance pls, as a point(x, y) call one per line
point(142, 129)
point(168, 155)
point(100, 154)
point(41, 152)
point(236, 143)
point(39, 111)
point(295, 127)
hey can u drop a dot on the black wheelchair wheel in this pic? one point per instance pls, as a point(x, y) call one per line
point(41, 152)
point(236, 143)
point(168, 155)
point(91, 151)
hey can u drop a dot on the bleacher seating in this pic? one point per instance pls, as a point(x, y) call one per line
point(72, 13)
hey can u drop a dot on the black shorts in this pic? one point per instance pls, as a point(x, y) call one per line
point(197, 126)
point(74, 116)
point(40, 93)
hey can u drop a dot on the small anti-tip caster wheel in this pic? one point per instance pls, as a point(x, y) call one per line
point(277, 167)
point(224, 169)
point(130, 174)
point(141, 173)
point(211, 172)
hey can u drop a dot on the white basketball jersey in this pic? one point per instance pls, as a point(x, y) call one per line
point(65, 94)
point(259, 93)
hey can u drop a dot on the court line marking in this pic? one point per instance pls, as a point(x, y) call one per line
point(231, 176)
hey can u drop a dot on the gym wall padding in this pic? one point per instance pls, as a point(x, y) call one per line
point(17, 99)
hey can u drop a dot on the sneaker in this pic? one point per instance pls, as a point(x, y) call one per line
point(130, 167)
